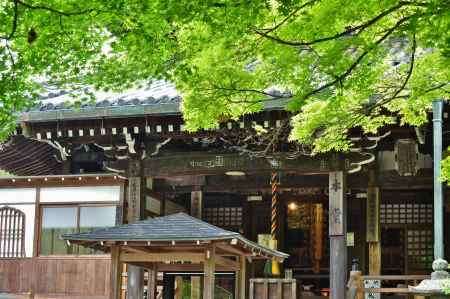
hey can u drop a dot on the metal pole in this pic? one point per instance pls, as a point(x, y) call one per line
point(438, 194)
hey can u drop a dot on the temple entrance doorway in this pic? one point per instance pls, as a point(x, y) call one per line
point(306, 240)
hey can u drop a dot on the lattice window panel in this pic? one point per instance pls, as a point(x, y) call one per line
point(230, 217)
point(393, 249)
point(420, 248)
point(406, 213)
point(12, 233)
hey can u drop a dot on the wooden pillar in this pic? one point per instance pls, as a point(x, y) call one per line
point(240, 282)
point(196, 287)
point(209, 269)
point(355, 285)
point(152, 282)
point(373, 225)
point(135, 197)
point(197, 212)
point(178, 287)
point(338, 230)
point(116, 273)
point(197, 204)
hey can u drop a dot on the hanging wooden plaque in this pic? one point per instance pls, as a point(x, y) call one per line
point(134, 199)
point(373, 215)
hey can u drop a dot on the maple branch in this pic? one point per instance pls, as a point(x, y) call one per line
point(14, 22)
point(53, 10)
point(249, 90)
point(352, 67)
point(405, 82)
point(356, 29)
point(439, 86)
point(268, 30)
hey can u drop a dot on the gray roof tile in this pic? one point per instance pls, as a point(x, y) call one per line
point(176, 227)
point(158, 92)
point(173, 227)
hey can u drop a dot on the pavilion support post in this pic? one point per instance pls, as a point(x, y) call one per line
point(337, 231)
point(240, 282)
point(116, 273)
point(135, 197)
point(152, 282)
point(196, 286)
point(209, 269)
point(197, 212)
point(178, 287)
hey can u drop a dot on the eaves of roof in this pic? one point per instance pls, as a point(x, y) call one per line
point(160, 109)
point(100, 112)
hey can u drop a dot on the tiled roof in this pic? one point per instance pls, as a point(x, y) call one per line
point(25, 157)
point(158, 92)
point(176, 227)
point(159, 98)
point(173, 227)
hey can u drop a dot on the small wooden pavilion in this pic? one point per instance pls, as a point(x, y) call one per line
point(176, 242)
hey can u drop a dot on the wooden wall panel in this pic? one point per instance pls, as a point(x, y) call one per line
point(15, 275)
point(273, 288)
point(82, 277)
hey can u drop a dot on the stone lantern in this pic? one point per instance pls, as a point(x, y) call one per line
point(434, 287)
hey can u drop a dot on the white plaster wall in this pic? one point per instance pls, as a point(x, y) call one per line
point(18, 195)
point(80, 194)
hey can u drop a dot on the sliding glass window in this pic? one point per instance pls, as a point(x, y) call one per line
point(57, 221)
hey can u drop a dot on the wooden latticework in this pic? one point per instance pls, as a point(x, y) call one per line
point(12, 233)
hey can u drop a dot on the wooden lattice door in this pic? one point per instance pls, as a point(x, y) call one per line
point(12, 233)
point(407, 236)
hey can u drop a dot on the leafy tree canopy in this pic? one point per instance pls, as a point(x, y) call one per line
point(335, 61)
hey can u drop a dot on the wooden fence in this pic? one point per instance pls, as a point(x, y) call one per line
point(53, 277)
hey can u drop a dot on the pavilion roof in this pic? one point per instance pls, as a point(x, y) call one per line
point(178, 227)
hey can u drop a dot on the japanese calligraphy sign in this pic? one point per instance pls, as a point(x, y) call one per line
point(373, 215)
point(337, 203)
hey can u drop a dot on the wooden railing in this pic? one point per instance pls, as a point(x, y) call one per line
point(357, 289)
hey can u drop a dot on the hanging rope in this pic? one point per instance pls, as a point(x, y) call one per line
point(272, 268)
point(274, 211)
